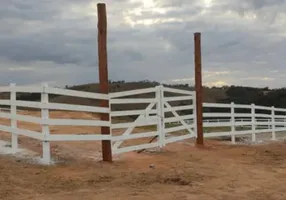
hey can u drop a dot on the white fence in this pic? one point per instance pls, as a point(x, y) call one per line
point(45, 121)
point(151, 124)
point(266, 120)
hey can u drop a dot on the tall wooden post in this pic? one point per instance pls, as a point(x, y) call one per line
point(103, 76)
point(199, 88)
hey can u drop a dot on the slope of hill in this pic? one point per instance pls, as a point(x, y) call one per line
point(210, 94)
point(225, 94)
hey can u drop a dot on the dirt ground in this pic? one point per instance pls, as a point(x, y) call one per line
point(180, 171)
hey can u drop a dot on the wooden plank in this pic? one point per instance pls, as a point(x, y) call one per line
point(6, 103)
point(74, 93)
point(134, 100)
point(59, 106)
point(134, 136)
point(178, 108)
point(217, 114)
point(177, 119)
point(219, 124)
point(280, 109)
point(279, 116)
point(262, 108)
point(179, 128)
point(242, 115)
point(130, 128)
point(176, 115)
point(179, 98)
point(28, 89)
point(132, 92)
point(131, 112)
point(78, 122)
point(144, 121)
point(264, 115)
point(68, 137)
point(217, 105)
point(178, 91)
point(25, 118)
point(242, 106)
point(27, 133)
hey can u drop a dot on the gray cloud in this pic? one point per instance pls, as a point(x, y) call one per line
point(56, 41)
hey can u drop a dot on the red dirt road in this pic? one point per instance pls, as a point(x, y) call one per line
point(180, 172)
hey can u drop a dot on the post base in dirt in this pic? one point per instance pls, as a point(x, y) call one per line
point(273, 123)
point(106, 158)
point(232, 139)
point(46, 159)
point(106, 147)
point(14, 143)
point(232, 112)
point(105, 144)
point(201, 146)
point(13, 110)
point(273, 135)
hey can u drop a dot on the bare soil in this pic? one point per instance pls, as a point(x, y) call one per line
point(180, 171)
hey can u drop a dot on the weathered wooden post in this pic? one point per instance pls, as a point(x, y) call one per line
point(103, 76)
point(199, 88)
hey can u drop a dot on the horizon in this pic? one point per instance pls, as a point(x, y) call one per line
point(173, 84)
point(142, 81)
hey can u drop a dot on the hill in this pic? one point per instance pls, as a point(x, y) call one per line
point(210, 94)
point(225, 94)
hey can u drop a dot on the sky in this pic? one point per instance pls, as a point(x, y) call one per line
point(55, 42)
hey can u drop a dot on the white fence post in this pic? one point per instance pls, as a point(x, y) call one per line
point(273, 123)
point(45, 127)
point(160, 115)
point(13, 111)
point(253, 122)
point(232, 123)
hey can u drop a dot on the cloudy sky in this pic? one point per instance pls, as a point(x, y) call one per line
point(243, 41)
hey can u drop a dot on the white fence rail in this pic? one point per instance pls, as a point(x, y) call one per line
point(158, 113)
